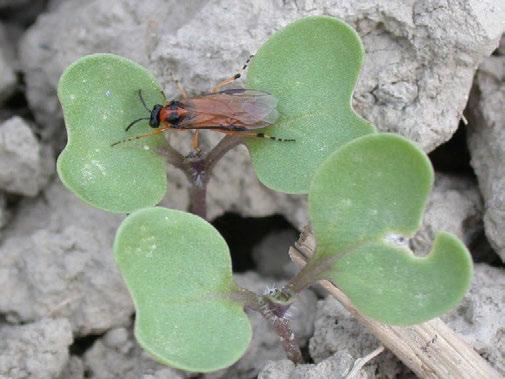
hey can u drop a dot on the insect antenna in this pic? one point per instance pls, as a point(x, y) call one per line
point(233, 78)
point(126, 140)
point(242, 132)
point(134, 122)
point(153, 133)
point(143, 101)
point(263, 135)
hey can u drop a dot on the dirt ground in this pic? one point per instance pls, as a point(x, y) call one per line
point(434, 72)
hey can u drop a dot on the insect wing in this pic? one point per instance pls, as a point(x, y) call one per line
point(250, 109)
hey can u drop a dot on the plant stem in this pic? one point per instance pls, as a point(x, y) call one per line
point(198, 176)
point(226, 144)
point(273, 307)
point(311, 272)
point(198, 170)
point(198, 202)
point(287, 337)
point(275, 313)
point(308, 275)
point(282, 328)
point(175, 158)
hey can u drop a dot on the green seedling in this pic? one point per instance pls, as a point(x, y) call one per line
point(367, 193)
point(364, 199)
point(311, 68)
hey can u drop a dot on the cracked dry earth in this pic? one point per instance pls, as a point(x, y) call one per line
point(64, 310)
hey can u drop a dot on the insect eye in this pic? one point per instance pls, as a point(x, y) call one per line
point(154, 120)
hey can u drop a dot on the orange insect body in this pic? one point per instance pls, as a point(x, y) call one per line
point(234, 111)
point(166, 114)
point(228, 111)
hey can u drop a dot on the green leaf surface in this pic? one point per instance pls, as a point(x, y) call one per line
point(379, 184)
point(178, 270)
point(390, 284)
point(363, 201)
point(99, 96)
point(311, 67)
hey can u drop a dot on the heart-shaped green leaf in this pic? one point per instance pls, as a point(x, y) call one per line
point(311, 67)
point(363, 201)
point(99, 96)
point(178, 270)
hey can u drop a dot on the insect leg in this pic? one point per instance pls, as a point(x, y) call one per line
point(181, 89)
point(238, 133)
point(195, 141)
point(225, 82)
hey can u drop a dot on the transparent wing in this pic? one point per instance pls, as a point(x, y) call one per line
point(246, 108)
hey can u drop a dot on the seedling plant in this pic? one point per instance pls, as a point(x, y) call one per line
point(367, 193)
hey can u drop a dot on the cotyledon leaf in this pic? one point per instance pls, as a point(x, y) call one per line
point(178, 270)
point(390, 284)
point(99, 96)
point(363, 200)
point(311, 67)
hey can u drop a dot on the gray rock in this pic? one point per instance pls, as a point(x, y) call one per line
point(421, 57)
point(420, 61)
point(74, 369)
point(454, 206)
point(38, 350)
point(336, 366)
point(7, 74)
point(336, 331)
point(265, 345)
point(25, 165)
point(235, 188)
point(487, 145)
point(501, 47)
point(4, 213)
point(117, 355)
point(479, 318)
point(282, 369)
point(271, 255)
point(56, 261)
